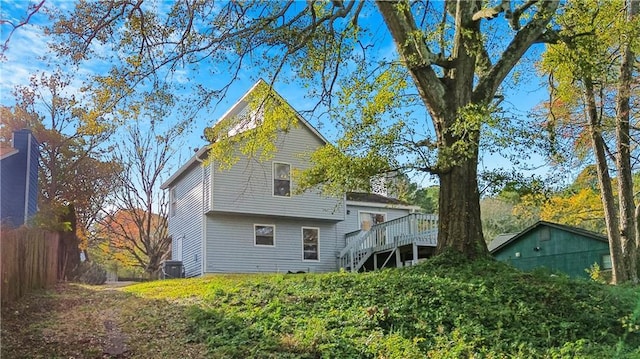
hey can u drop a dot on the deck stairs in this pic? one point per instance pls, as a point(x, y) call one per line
point(415, 230)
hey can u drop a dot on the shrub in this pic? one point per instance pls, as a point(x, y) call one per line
point(90, 273)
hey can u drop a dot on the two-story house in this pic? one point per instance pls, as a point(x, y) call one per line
point(248, 218)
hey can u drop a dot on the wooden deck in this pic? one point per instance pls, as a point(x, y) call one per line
point(414, 230)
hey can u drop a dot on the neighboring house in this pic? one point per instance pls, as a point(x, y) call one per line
point(19, 179)
point(249, 219)
point(554, 246)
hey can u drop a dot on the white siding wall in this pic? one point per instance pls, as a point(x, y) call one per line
point(248, 186)
point(207, 181)
point(230, 245)
point(186, 224)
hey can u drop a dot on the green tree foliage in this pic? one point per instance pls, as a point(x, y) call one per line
point(592, 72)
point(447, 65)
point(426, 198)
point(499, 216)
point(402, 187)
point(511, 203)
point(579, 204)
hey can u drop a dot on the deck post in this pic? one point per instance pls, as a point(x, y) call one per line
point(398, 258)
point(375, 261)
point(415, 253)
point(351, 257)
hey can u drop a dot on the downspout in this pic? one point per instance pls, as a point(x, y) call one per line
point(203, 238)
point(28, 180)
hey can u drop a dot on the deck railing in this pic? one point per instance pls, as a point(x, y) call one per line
point(415, 227)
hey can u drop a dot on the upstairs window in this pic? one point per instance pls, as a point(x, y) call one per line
point(281, 179)
point(174, 201)
point(264, 235)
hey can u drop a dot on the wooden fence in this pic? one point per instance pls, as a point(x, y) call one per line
point(29, 260)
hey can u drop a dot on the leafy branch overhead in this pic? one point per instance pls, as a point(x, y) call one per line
point(335, 52)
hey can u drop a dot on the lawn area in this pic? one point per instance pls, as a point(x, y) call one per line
point(443, 308)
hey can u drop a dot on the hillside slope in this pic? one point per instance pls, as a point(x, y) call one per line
point(443, 308)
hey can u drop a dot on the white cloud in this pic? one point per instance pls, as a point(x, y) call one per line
point(23, 58)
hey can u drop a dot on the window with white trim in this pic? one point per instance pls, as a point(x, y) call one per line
point(369, 219)
point(264, 235)
point(281, 179)
point(310, 244)
point(174, 201)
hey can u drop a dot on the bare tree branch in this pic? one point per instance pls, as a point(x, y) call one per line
point(32, 10)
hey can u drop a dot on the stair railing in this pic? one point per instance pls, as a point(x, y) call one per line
point(360, 244)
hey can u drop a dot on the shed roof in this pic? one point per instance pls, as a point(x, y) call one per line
point(500, 240)
point(378, 200)
point(503, 240)
point(373, 198)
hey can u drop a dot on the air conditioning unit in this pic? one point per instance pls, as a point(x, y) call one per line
point(172, 269)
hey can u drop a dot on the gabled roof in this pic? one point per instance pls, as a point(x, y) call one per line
point(242, 103)
point(233, 111)
point(377, 200)
point(503, 240)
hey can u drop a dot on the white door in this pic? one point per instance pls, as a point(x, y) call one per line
point(177, 254)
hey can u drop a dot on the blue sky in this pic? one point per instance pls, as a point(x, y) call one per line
point(28, 47)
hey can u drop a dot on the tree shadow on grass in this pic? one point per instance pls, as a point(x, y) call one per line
point(79, 321)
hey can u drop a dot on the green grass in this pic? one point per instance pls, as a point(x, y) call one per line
point(444, 308)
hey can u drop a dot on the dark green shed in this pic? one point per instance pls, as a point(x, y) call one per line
point(557, 247)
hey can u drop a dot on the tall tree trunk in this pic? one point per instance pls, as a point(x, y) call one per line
point(623, 158)
point(606, 191)
point(459, 226)
point(445, 94)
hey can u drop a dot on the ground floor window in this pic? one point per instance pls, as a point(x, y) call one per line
point(264, 234)
point(310, 239)
point(369, 219)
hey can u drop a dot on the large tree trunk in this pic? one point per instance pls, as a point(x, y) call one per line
point(447, 92)
point(68, 250)
point(459, 225)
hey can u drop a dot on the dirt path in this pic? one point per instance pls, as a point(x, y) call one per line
point(74, 321)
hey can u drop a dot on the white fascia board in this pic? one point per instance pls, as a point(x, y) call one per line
point(384, 205)
point(196, 158)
